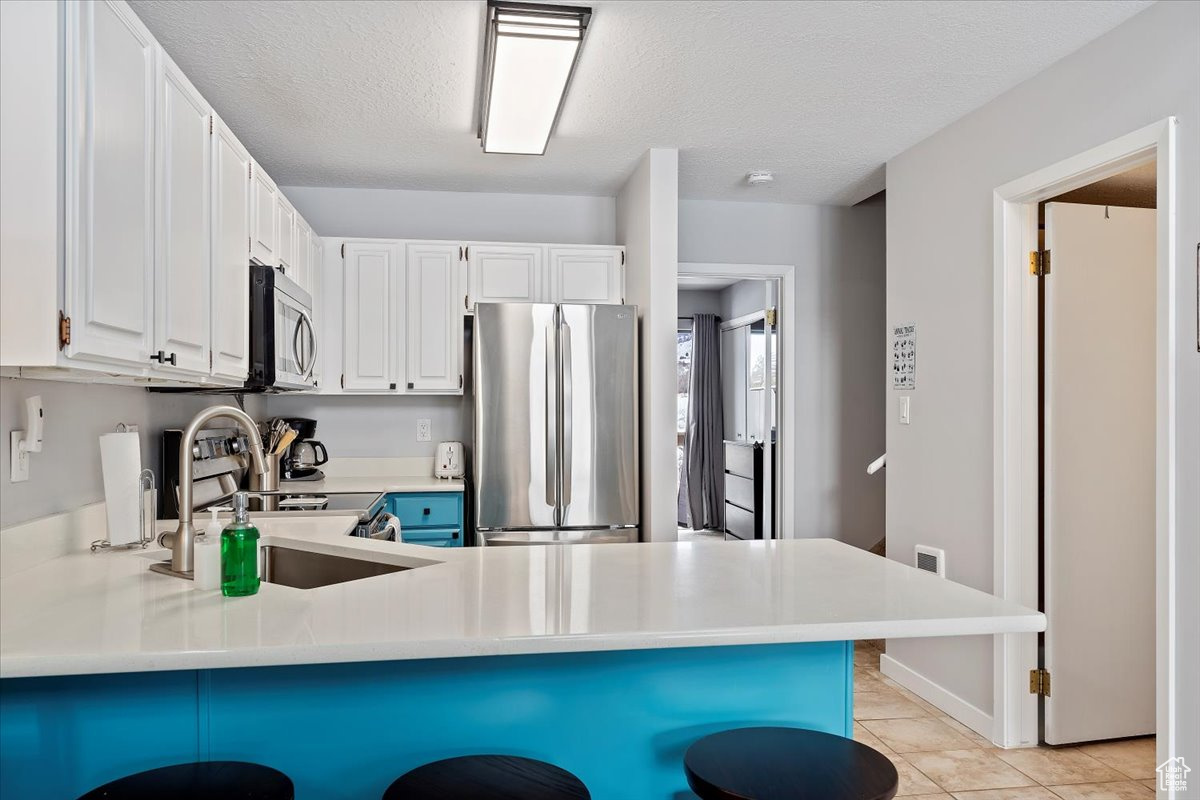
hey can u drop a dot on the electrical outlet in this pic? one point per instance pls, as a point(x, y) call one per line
point(423, 430)
point(19, 465)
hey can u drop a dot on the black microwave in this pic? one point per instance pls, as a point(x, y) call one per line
point(283, 338)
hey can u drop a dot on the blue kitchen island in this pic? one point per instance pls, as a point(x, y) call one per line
point(608, 660)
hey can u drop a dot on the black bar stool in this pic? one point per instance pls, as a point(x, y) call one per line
point(200, 780)
point(487, 778)
point(791, 763)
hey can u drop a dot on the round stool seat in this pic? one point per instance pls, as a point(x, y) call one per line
point(791, 763)
point(487, 778)
point(199, 780)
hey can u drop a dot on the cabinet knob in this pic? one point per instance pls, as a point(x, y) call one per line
point(391, 386)
point(426, 512)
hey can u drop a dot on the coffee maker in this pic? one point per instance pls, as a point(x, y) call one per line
point(302, 459)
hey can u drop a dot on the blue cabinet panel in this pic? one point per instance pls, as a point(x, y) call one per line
point(621, 720)
point(433, 518)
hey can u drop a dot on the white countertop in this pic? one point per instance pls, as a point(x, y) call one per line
point(85, 613)
point(397, 483)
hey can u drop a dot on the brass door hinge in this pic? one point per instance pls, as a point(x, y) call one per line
point(1039, 682)
point(1039, 263)
point(772, 316)
point(64, 330)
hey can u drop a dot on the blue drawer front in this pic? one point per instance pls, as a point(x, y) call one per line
point(433, 537)
point(427, 510)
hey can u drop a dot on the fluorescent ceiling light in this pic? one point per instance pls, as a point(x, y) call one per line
point(529, 56)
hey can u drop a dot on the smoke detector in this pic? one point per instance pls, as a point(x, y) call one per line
point(760, 177)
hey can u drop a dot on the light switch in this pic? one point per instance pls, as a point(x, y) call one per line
point(905, 415)
point(423, 430)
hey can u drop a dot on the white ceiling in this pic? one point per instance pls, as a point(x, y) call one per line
point(704, 283)
point(382, 94)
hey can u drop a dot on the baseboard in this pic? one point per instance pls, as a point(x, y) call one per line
point(951, 704)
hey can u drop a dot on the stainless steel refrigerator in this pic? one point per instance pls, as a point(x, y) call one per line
point(556, 423)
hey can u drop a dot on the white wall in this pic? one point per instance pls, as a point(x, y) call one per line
point(475, 216)
point(742, 298)
point(648, 227)
point(66, 474)
point(838, 254)
point(939, 248)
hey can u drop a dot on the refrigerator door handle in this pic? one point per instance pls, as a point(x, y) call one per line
point(551, 417)
point(567, 434)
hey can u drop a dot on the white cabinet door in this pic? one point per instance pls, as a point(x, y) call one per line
point(587, 274)
point(435, 318)
point(264, 213)
point(285, 217)
point(506, 273)
point(301, 271)
point(181, 318)
point(230, 261)
point(369, 358)
point(109, 171)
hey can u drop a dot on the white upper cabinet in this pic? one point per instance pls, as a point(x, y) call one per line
point(434, 318)
point(285, 217)
point(230, 262)
point(505, 273)
point(109, 171)
point(264, 211)
point(301, 271)
point(181, 319)
point(587, 274)
point(370, 356)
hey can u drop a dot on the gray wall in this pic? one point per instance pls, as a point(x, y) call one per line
point(475, 216)
point(66, 474)
point(375, 427)
point(940, 264)
point(742, 298)
point(839, 306)
point(699, 301)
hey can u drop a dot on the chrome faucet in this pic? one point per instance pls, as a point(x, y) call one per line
point(182, 542)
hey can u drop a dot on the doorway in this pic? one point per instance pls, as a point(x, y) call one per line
point(1018, 408)
point(740, 306)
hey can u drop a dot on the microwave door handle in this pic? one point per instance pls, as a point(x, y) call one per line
point(296, 344)
point(312, 345)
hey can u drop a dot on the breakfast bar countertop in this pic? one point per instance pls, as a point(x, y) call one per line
point(84, 612)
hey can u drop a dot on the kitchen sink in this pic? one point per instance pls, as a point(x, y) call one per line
point(304, 569)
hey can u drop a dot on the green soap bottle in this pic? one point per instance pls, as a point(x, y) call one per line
point(239, 552)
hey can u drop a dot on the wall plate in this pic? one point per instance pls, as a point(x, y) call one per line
point(19, 469)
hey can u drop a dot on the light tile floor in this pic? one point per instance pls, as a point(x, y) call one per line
point(938, 757)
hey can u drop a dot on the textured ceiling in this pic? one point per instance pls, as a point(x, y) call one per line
point(382, 94)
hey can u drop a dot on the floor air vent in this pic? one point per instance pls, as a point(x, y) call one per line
point(931, 559)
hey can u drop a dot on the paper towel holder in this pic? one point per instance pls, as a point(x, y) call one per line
point(145, 482)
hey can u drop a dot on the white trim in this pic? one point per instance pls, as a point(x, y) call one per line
point(786, 327)
point(1015, 417)
point(935, 694)
point(744, 320)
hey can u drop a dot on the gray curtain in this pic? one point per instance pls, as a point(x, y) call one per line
point(704, 438)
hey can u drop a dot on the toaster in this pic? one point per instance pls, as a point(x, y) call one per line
point(449, 461)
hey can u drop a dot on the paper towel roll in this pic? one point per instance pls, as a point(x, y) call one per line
point(121, 465)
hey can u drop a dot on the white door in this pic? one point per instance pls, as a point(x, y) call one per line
point(264, 215)
point(369, 358)
point(110, 184)
point(302, 260)
point(587, 274)
point(230, 261)
point(1099, 423)
point(435, 319)
point(506, 274)
point(182, 239)
point(285, 217)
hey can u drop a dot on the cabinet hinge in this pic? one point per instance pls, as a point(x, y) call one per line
point(460, 381)
point(210, 124)
point(772, 316)
point(343, 249)
point(1039, 682)
point(467, 252)
point(460, 255)
point(466, 304)
point(622, 258)
point(64, 330)
point(343, 380)
point(1039, 263)
point(251, 169)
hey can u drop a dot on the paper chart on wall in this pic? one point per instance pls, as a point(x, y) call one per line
point(904, 357)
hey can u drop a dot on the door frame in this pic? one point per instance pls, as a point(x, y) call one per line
point(1016, 413)
point(785, 501)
